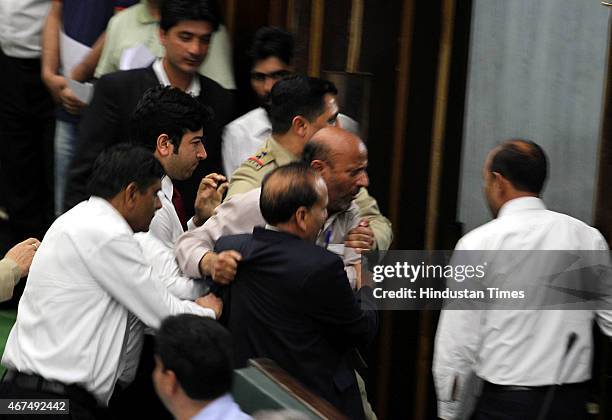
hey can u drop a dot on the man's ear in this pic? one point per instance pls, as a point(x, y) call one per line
point(318, 165)
point(299, 125)
point(167, 382)
point(162, 37)
point(300, 218)
point(164, 145)
point(502, 185)
point(130, 194)
point(498, 180)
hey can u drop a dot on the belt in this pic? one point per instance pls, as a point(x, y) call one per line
point(488, 386)
point(38, 383)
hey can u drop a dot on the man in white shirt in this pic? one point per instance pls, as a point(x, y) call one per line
point(88, 276)
point(519, 354)
point(173, 125)
point(195, 384)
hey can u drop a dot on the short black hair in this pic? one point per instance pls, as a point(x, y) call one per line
point(199, 352)
point(271, 41)
point(523, 163)
point(167, 110)
point(285, 190)
point(119, 166)
point(174, 11)
point(297, 95)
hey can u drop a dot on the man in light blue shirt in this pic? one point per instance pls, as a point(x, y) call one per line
point(193, 369)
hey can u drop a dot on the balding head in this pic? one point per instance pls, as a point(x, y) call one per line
point(522, 162)
point(516, 168)
point(294, 199)
point(342, 158)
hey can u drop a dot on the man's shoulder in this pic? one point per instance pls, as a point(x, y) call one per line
point(209, 86)
point(127, 17)
point(565, 231)
point(252, 119)
point(313, 258)
point(234, 242)
point(126, 78)
point(251, 172)
point(92, 220)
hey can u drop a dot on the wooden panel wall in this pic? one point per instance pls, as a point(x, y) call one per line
point(416, 93)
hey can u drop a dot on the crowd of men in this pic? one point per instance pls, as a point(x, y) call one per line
point(189, 239)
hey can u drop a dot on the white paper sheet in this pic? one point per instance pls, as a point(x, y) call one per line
point(136, 57)
point(71, 53)
point(83, 91)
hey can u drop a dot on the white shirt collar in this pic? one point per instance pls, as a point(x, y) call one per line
point(193, 89)
point(104, 204)
point(521, 204)
point(274, 228)
point(167, 187)
point(223, 407)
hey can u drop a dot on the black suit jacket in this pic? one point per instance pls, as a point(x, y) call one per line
point(106, 122)
point(291, 302)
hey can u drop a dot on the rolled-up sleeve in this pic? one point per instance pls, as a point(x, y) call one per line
point(239, 214)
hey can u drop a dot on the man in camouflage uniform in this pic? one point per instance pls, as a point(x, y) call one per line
point(300, 106)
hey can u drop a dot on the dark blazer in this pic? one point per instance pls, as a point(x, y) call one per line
point(106, 121)
point(291, 302)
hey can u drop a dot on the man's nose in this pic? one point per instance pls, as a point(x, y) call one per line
point(201, 152)
point(196, 47)
point(269, 84)
point(363, 180)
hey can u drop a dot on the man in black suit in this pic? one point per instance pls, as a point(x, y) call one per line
point(290, 300)
point(186, 27)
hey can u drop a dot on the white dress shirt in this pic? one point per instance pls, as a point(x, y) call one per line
point(518, 347)
point(194, 87)
point(88, 273)
point(223, 408)
point(243, 136)
point(241, 213)
point(158, 246)
point(21, 23)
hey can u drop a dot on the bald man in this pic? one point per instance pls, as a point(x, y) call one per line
point(524, 358)
point(341, 158)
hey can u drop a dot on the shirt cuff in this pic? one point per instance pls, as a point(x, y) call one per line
point(191, 225)
point(449, 410)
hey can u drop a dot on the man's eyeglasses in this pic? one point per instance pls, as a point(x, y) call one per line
point(277, 75)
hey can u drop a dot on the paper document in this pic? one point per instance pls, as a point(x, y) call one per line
point(136, 57)
point(71, 53)
point(83, 91)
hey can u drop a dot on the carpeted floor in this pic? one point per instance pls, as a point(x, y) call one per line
point(7, 319)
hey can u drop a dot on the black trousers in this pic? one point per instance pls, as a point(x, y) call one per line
point(139, 399)
point(27, 124)
point(499, 403)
